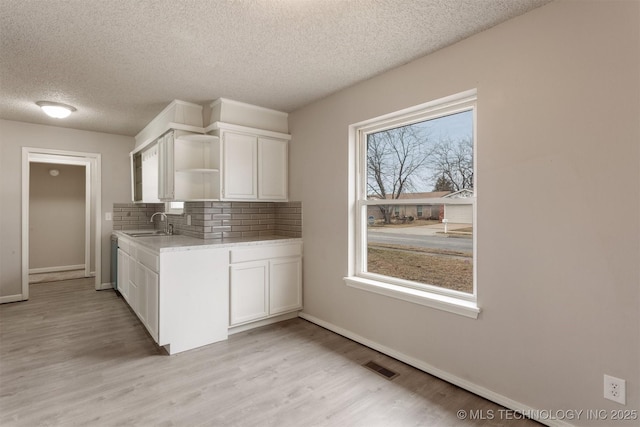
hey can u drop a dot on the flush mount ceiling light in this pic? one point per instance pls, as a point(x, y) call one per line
point(56, 109)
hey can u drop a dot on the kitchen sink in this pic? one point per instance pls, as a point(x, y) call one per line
point(149, 233)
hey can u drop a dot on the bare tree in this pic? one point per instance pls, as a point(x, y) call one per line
point(395, 159)
point(443, 184)
point(452, 162)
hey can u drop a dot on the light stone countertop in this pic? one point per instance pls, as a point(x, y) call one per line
point(178, 242)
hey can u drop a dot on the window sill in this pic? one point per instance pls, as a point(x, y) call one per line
point(428, 299)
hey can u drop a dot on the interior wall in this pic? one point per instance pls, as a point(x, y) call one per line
point(116, 186)
point(558, 187)
point(56, 215)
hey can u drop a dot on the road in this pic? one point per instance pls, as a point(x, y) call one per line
point(436, 241)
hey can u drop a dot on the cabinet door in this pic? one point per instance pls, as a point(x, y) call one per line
point(152, 292)
point(272, 169)
point(285, 285)
point(136, 176)
point(240, 165)
point(150, 175)
point(166, 169)
point(141, 297)
point(123, 274)
point(133, 293)
point(248, 291)
point(133, 287)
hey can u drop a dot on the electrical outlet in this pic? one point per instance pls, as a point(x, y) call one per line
point(615, 389)
point(108, 216)
point(188, 219)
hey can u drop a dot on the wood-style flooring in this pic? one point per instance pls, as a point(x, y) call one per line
point(73, 356)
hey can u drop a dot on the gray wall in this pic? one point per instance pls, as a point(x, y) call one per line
point(558, 107)
point(56, 216)
point(116, 185)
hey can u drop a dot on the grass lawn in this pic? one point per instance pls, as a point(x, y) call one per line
point(447, 270)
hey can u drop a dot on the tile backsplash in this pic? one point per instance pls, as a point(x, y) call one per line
point(216, 220)
point(135, 216)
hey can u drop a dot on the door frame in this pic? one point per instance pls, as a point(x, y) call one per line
point(92, 163)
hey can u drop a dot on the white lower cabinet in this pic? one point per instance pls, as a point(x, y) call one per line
point(180, 296)
point(187, 298)
point(123, 274)
point(151, 294)
point(146, 301)
point(265, 281)
point(142, 289)
point(248, 291)
point(285, 285)
point(193, 298)
point(132, 295)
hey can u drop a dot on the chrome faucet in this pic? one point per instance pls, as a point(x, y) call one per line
point(167, 230)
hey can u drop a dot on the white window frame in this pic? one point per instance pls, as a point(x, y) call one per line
point(424, 294)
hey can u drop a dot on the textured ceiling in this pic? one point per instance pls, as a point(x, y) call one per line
point(120, 62)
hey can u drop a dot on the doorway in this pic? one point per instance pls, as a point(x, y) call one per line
point(55, 162)
point(59, 222)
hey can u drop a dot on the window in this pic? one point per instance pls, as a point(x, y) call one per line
point(174, 208)
point(414, 205)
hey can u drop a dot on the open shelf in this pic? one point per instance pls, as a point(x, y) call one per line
point(197, 167)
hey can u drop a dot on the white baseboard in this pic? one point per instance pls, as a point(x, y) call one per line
point(104, 286)
point(56, 269)
point(257, 324)
point(11, 298)
point(446, 376)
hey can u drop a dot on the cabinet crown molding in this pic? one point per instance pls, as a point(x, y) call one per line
point(252, 116)
point(246, 129)
point(177, 115)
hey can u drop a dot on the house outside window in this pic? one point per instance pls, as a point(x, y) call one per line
point(416, 161)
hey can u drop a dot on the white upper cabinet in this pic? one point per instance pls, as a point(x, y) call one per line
point(244, 156)
point(178, 166)
point(165, 167)
point(240, 165)
point(255, 167)
point(272, 169)
point(150, 174)
point(255, 146)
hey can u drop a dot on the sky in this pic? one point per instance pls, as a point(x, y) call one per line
point(454, 127)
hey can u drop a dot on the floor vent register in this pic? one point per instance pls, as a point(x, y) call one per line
point(381, 370)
